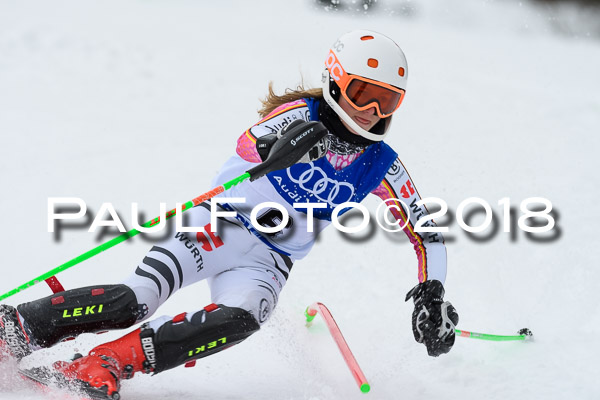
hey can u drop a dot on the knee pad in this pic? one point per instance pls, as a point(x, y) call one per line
point(206, 332)
point(72, 312)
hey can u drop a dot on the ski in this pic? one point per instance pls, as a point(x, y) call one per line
point(49, 382)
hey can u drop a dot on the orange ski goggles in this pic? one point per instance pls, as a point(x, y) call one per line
point(363, 93)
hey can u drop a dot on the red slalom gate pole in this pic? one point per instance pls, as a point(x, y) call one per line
point(359, 376)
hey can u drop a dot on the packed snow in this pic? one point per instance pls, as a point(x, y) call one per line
point(142, 101)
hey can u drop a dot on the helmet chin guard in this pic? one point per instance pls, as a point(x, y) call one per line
point(379, 66)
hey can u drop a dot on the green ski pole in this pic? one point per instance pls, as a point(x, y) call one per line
point(286, 151)
point(523, 334)
point(124, 236)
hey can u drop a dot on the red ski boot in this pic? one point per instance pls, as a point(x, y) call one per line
point(98, 375)
point(14, 341)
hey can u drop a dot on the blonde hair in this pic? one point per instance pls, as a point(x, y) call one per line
point(272, 100)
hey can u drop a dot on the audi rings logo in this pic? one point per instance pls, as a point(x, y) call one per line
point(316, 182)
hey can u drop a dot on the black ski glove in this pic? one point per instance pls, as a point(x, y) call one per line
point(265, 143)
point(433, 320)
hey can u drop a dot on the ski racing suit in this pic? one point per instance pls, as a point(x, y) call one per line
point(245, 269)
point(248, 269)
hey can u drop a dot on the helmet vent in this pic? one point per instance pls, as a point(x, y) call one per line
point(401, 71)
point(373, 63)
point(367, 38)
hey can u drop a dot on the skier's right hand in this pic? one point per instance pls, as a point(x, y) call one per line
point(433, 320)
point(265, 143)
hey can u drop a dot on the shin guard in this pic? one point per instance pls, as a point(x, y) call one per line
point(70, 313)
point(183, 340)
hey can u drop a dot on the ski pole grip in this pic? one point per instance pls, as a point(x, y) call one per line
point(290, 148)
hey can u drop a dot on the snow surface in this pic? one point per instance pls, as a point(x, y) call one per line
point(141, 101)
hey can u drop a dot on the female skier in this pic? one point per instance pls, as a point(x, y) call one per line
point(364, 83)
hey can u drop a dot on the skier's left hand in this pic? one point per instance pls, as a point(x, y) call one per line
point(433, 320)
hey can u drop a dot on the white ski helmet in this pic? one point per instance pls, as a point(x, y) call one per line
point(369, 69)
